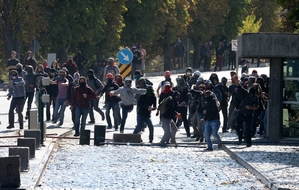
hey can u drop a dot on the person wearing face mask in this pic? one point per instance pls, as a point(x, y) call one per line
point(61, 100)
point(18, 93)
point(161, 86)
point(183, 102)
point(211, 120)
point(224, 102)
point(29, 86)
point(52, 90)
point(146, 104)
point(97, 86)
point(83, 94)
point(127, 96)
point(21, 72)
point(111, 102)
point(111, 68)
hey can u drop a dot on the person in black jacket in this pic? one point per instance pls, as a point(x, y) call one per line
point(211, 119)
point(146, 104)
point(183, 101)
point(29, 85)
point(52, 90)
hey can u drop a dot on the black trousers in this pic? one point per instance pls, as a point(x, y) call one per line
point(183, 111)
point(247, 119)
point(19, 104)
point(94, 105)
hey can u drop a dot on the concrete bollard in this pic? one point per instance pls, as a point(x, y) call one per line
point(28, 142)
point(33, 120)
point(10, 176)
point(99, 134)
point(34, 133)
point(23, 153)
point(132, 138)
point(85, 137)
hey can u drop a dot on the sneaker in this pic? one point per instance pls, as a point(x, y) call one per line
point(60, 124)
point(116, 129)
point(224, 131)
point(172, 142)
point(109, 127)
point(248, 145)
point(238, 142)
point(150, 141)
point(54, 122)
point(76, 135)
point(91, 122)
point(121, 131)
point(10, 127)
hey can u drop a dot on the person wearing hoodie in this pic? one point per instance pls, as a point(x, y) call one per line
point(29, 86)
point(224, 103)
point(211, 120)
point(183, 101)
point(39, 74)
point(83, 95)
point(52, 90)
point(18, 93)
point(127, 96)
point(21, 72)
point(97, 86)
point(70, 65)
point(146, 104)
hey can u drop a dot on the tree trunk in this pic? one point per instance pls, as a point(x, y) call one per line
point(62, 54)
point(166, 53)
point(196, 55)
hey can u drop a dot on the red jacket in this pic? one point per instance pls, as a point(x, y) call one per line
point(78, 99)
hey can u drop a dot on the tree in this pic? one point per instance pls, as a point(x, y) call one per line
point(21, 21)
point(250, 24)
point(207, 18)
point(289, 15)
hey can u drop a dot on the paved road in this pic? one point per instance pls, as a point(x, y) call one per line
point(274, 166)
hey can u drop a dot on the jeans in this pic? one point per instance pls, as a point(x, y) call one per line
point(125, 111)
point(200, 125)
point(94, 105)
point(115, 109)
point(211, 128)
point(140, 123)
point(60, 103)
point(80, 112)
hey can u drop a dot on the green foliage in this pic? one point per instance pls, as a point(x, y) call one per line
point(250, 24)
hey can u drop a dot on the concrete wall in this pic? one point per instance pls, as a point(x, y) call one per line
point(268, 45)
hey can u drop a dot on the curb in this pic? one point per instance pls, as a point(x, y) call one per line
point(263, 178)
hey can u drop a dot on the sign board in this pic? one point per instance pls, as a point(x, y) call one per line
point(125, 56)
point(234, 45)
point(51, 58)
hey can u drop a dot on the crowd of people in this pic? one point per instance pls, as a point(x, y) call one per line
point(191, 101)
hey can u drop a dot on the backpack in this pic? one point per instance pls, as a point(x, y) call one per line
point(163, 105)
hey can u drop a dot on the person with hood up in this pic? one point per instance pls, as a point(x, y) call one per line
point(18, 93)
point(183, 101)
point(224, 103)
point(127, 96)
point(211, 120)
point(70, 65)
point(29, 86)
point(194, 78)
point(111, 68)
point(97, 86)
point(146, 104)
point(83, 95)
point(21, 72)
